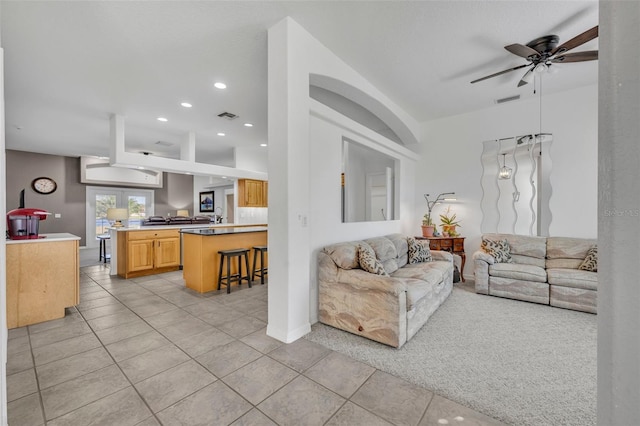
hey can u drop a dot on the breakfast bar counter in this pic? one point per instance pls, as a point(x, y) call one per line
point(200, 251)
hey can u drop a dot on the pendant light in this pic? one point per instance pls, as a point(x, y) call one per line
point(505, 172)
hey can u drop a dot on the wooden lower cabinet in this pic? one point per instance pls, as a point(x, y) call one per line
point(167, 252)
point(42, 280)
point(148, 252)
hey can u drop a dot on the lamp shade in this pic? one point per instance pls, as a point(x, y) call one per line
point(184, 213)
point(117, 215)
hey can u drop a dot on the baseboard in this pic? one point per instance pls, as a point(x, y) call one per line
point(288, 336)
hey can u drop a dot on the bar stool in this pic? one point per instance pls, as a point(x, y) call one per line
point(103, 248)
point(263, 270)
point(228, 254)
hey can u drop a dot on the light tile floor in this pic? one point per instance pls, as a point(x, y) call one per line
point(148, 351)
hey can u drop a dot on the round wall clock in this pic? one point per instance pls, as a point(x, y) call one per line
point(44, 185)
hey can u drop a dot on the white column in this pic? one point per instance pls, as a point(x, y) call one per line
point(188, 147)
point(619, 214)
point(116, 135)
point(3, 258)
point(288, 158)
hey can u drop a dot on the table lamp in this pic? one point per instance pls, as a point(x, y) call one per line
point(117, 215)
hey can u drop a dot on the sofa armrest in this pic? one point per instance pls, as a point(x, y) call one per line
point(363, 280)
point(481, 262)
point(369, 305)
point(441, 255)
point(481, 255)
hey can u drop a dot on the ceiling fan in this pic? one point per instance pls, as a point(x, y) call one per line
point(544, 51)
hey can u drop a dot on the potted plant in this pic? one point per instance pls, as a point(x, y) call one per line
point(427, 225)
point(449, 223)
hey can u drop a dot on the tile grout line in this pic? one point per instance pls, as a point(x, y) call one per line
point(35, 373)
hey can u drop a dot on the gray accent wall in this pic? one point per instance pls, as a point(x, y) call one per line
point(176, 194)
point(69, 200)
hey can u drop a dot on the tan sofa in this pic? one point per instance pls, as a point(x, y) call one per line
point(388, 309)
point(544, 270)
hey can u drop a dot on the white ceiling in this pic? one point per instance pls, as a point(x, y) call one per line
point(70, 65)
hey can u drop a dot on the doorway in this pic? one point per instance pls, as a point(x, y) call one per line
point(138, 202)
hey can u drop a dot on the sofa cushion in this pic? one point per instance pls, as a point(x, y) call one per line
point(385, 251)
point(590, 262)
point(499, 249)
point(368, 260)
point(518, 272)
point(420, 282)
point(400, 241)
point(529, 250)
point(345, 255)
point(566, 252)
point(418, 252)
point(573, 278)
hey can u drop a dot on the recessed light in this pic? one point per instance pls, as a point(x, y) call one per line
point(162, 119)
point(221, 134)
point(248, 125)
point(220, 85)
point(224, 177)
point(140, 168)
point(187, 173)
point(186, 104)
point(263, 144)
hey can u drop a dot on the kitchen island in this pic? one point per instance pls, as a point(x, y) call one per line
point(148, 250)
point(201, 260)
point(43, 278)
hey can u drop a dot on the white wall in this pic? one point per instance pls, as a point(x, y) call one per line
point(201, 184)
point(294, 57)
point(326, 131)
point(251, 158)
point(451, 149)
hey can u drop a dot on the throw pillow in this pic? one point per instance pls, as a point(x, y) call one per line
point(418, 252)
point(500, 250)
point(590, 262)
point(368, 260)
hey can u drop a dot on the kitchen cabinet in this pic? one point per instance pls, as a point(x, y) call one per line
point(252, 193)
point(149, 252)
point(43, 278)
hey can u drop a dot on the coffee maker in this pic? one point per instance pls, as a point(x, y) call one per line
point(23, 224)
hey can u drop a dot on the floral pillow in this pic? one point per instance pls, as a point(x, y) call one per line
point(500, 250)
point(418, 252)
point(368, 260)
point(590, 262)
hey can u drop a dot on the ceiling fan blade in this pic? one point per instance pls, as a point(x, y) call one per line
point(522, 50)
point(526, 78)
point(576, 41)
point(589, 55)
point(500, 73)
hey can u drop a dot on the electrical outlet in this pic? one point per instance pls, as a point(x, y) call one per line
point(57, 215)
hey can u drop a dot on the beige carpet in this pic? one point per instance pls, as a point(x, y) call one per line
point(518, 362)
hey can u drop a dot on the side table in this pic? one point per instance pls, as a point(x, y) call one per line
point(454, 245)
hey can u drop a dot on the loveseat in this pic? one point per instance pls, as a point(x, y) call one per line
point(541, 270)
point(388, 308)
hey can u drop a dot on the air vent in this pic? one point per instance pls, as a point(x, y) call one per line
point(228, 115)
point(163, 143)
point(509, 99)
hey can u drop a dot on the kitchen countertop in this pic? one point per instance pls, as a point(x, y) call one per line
point(48, 238)
point(177, 226)
point(224, 231)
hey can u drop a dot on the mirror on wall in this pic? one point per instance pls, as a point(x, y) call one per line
point(516, 188)
point(368, 184)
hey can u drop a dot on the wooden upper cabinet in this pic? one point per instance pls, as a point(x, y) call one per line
point(252, 193)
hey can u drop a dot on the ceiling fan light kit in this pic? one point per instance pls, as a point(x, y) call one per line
point(544, 52)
